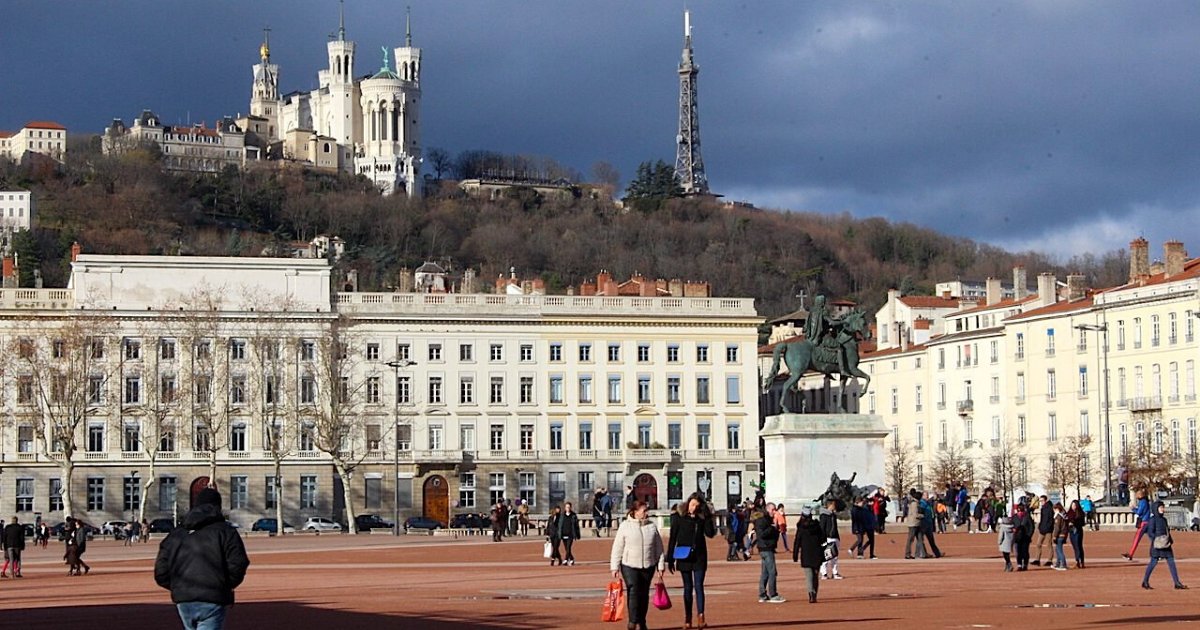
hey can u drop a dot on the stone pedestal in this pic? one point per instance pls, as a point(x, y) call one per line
point(801, 451)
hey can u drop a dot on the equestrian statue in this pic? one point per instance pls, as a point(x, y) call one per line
point(829, 346)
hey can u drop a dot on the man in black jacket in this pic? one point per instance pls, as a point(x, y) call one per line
point(568, 531)
point(201, 562)
point(14, 543)
point(766, 539)
point(809, 551)
point(1045, 528)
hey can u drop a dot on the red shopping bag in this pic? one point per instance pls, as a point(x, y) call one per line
point(661, 600)
point(614, 602)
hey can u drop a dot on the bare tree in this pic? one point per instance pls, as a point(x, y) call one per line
point(951, 467)
point(1006, 468)
point(901, 468)
point(1151, 465)
point(207, 377)
point(1070, 466)
point(62, 370)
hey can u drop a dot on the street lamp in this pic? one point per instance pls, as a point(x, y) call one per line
point(397, 365)
point(1108, 478)
point(133, 495)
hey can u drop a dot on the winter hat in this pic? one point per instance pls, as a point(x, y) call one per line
point(209, 496)
point(806, 511)
point(1158, 504)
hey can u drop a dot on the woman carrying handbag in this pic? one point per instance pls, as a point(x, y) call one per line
point(1161, 545)
point(552, 535)
point(691, 525)
point(637, 552)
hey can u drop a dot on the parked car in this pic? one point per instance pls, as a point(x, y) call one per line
point(162, 525)
point(59, 531)
point(422, 522)
point(368, 522)
point(469, 521)
point(112, 528)
point(320, 524)
point(269, 525)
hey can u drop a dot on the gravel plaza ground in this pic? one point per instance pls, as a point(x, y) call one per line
point(378, 581)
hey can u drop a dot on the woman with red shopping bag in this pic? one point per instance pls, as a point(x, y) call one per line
point(637, 552)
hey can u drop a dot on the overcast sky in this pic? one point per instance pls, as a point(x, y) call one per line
point(1060, 125)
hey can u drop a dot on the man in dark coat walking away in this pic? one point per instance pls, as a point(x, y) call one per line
point(1045, 528)
point(809, 551)
point(13, 538)
point(201, 562)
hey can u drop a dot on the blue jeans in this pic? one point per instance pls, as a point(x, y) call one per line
point(693, 581)
point(1060, 557)
point(1154, 562)
point(202, 615)
point(766, 579)
point(1076, 534)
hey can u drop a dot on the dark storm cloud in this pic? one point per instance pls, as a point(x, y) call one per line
point(1065, 126)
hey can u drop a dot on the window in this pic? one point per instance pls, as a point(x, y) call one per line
point(917, 397)
point(731, 354)
point(435, 352)
point(55, 494)
point(97, 349)
point(1051, 385)
point(403, 351)
point(466, 390)
point(733, 389)
point(674, 435)
point(239, 492)
point(200, 438)
point(308, 492)
point(495, 353)
point(1021, 434)
point(372, 351)
point(237, 390)
point(466, 490)
point(994, 347)
point(466, 352)
point(556, 436)
point(24, 495)
point(133, 390)
point(526, 437)
point(1155, 329)
point(585, 352)
point(703, 435)
point(702, 390)
point(435, 390)
point(1050, 342)
point(702, 353)
point(556, 352)
point(308, 390)
point(374, 390)
point(307, 438)
point(496, 487)
point(673, 353)
point(585, 436)
point(403, 390)
point(920, 436)
point(643, 353)
point(895, 400)
point(496, 437)
point(525, 390)
point(1083, 381)
point(1137, 332)
point(373, 492)
point(673, 395)
point(526, 353)
point(95, 494)
point(556, 388)
point(435, 437)
point(95, 390)
point(25, 439)
point(166, 492)
point(614, 436)
point(643, 435)
point(496, 390)
point(614, 388)
point(466, 437)
point(237, 437)
point(614, 353)
point(585, 388)
point(733, 436)
point(237, 349)
point(95, 442)
point(133, 350)
point(131, 438)
point(587, 481)
point(1052, 427)
point(1020, 346)
point(403, 437)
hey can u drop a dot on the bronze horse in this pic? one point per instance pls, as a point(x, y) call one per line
point(837, 354)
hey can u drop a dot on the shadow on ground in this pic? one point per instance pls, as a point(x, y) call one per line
point(1137, 621)
point(256, 615)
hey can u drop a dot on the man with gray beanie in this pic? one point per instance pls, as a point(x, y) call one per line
point(201, 562)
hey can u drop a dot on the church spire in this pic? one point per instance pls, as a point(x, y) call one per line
point(264, 51)
point(341, 20)
point(408, 26)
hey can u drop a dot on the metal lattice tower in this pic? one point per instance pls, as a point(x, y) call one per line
point(689, 165)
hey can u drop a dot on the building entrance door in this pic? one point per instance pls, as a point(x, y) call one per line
point(435, 499)
point(645, 488)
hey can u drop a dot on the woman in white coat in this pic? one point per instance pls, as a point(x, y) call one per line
point(637, 552)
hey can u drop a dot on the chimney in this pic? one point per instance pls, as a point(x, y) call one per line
point(10, 273)
point(676, 287)
point(1139, 259)
point(1076, 289)
point(994, 292)
point(602, 279)
point(406, 281)
point(587, 288)
point(1020, 284)
point(468, 282)
point(76, 249)
point(1047, 289)
point(1174, 255)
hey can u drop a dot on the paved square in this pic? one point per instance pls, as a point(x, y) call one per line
point(376, 581)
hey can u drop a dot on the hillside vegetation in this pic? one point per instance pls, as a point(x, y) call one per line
point(127, 205)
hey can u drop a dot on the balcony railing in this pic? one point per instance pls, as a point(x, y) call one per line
point(27, 457)
point(965, 406)
point(993, 399)
point(1145, 403)
point(488, 303)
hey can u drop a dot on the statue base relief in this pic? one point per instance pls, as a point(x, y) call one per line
point(801, 451)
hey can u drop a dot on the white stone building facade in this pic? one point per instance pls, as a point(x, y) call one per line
point(39, 136)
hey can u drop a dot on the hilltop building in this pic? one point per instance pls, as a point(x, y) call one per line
point(38, 136)
point(185, 148)
point(17, 208)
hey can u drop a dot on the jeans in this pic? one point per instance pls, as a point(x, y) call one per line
point(1170, 565)
point(811, 579)
point(937, 553)
point(1076, 535)
point(766, 579)
point(1060, 557)
point(567, 555)
point(693, 581)
point(202, 615)
point(637, 593)
point(914, 533)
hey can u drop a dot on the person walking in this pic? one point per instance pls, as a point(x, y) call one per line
point(828, 521)
point(766, 540)
point(499, 518)
point(1004, 530)
point(1076, 522)
point(1022, 525)
point(1161, 546)
point(568, 531)
point(1144, 513)
point(523, 517)
point(127, 532)
point(598, 501)
point(552, 535)
point(201, 562)
point(637, 551)
point(809, 551)
point(928, 525)
point(1089, 510)
point(76, 547)
point(692, 524)
point(43, 534)
point(912, 521)
point(1045, 528)
point(1059, 533)
point(13, 539)
point(781, 525)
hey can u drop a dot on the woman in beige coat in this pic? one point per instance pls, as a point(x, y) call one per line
point(636, 552)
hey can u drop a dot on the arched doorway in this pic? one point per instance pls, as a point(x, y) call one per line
point(645, 488)
point(198, 484)
point(435, 499)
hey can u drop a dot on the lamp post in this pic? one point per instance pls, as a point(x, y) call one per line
point(397, 365)
point(133, 495)
point(1108, 479)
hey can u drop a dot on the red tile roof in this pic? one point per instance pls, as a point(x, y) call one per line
point(44, 124)
point(1191, 269)
point(1061, 306)
point(6, 134)
point(1002, 304)
point(929, 301)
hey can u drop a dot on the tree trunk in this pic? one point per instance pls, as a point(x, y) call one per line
point(278, 496)
point(344, 474)
point(212, 469)
point(67, 467)
point(146, 491)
